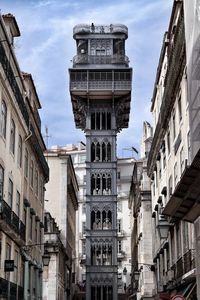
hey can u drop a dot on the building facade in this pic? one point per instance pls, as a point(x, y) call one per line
point(124, 218)
point(173, 170)
point(100, 87)
point(55, 280)
point(23, 173)
point(142, 275)
point(124, 172)
point(61, 202)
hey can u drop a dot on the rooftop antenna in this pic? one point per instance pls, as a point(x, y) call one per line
point(46, 137)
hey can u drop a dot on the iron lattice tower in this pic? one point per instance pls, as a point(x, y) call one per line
point(100, 87)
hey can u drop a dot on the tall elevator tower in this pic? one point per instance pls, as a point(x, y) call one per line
point(100, 87)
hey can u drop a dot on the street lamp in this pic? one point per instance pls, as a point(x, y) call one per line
point(163, 230)
point(125, 271)
point(136, 275)
point(46, 259)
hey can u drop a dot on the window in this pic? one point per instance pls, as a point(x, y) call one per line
point(84, 178)
point(24, 215)
point(119, 246)
point(178, 234)
point(31, 173)
point(12, 137)
point(118, 174)
point(83, 208)
point(175, 174)
point(180, 109)
point(18, 204)
point(170, 185)
point(36, 183)
point(41, 190)
point(26, 163)
point(36, 233)
point(1, 181)
point(182, 160)
point(8, 256)
point(19, 154)
point(83, 247)
point(185, 237)
point(31, 226)
point(83, 228)
point(174, 124)
point(3, 119)
point(119, 225)
point(16, 266)
point(168, 143)
point(119, 206)
point(10, 192)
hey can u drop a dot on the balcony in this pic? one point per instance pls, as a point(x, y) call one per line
point(16, 292)
point(184, 203)
point(100, 82)
point(99, 87)
point(183, 267)
point(83, 59)
point(11, 223)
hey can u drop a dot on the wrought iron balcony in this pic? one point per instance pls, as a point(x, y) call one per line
point(6, 212)
point(11, 222)
point(16, 292)
point(82, 59)
point(15, 222)
point(104, 85)
point(185, 264)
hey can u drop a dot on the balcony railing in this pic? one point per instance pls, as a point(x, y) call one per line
point(22, 231)
point(112, 28)
point(100, 85)
point(185, 264)
point(15, 222)
point(14, 290)
point(6, 212)
point(12, 220)
point(100, 60)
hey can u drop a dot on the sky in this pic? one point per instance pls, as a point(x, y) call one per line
point(46, 49)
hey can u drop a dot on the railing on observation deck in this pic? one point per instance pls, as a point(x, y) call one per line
point(100, 59)
point(112, 28)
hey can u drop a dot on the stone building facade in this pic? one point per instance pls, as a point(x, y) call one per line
point(23, 173)
point(100, 87)
point(142, 275)
point(173, 169)
point(61, 201)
